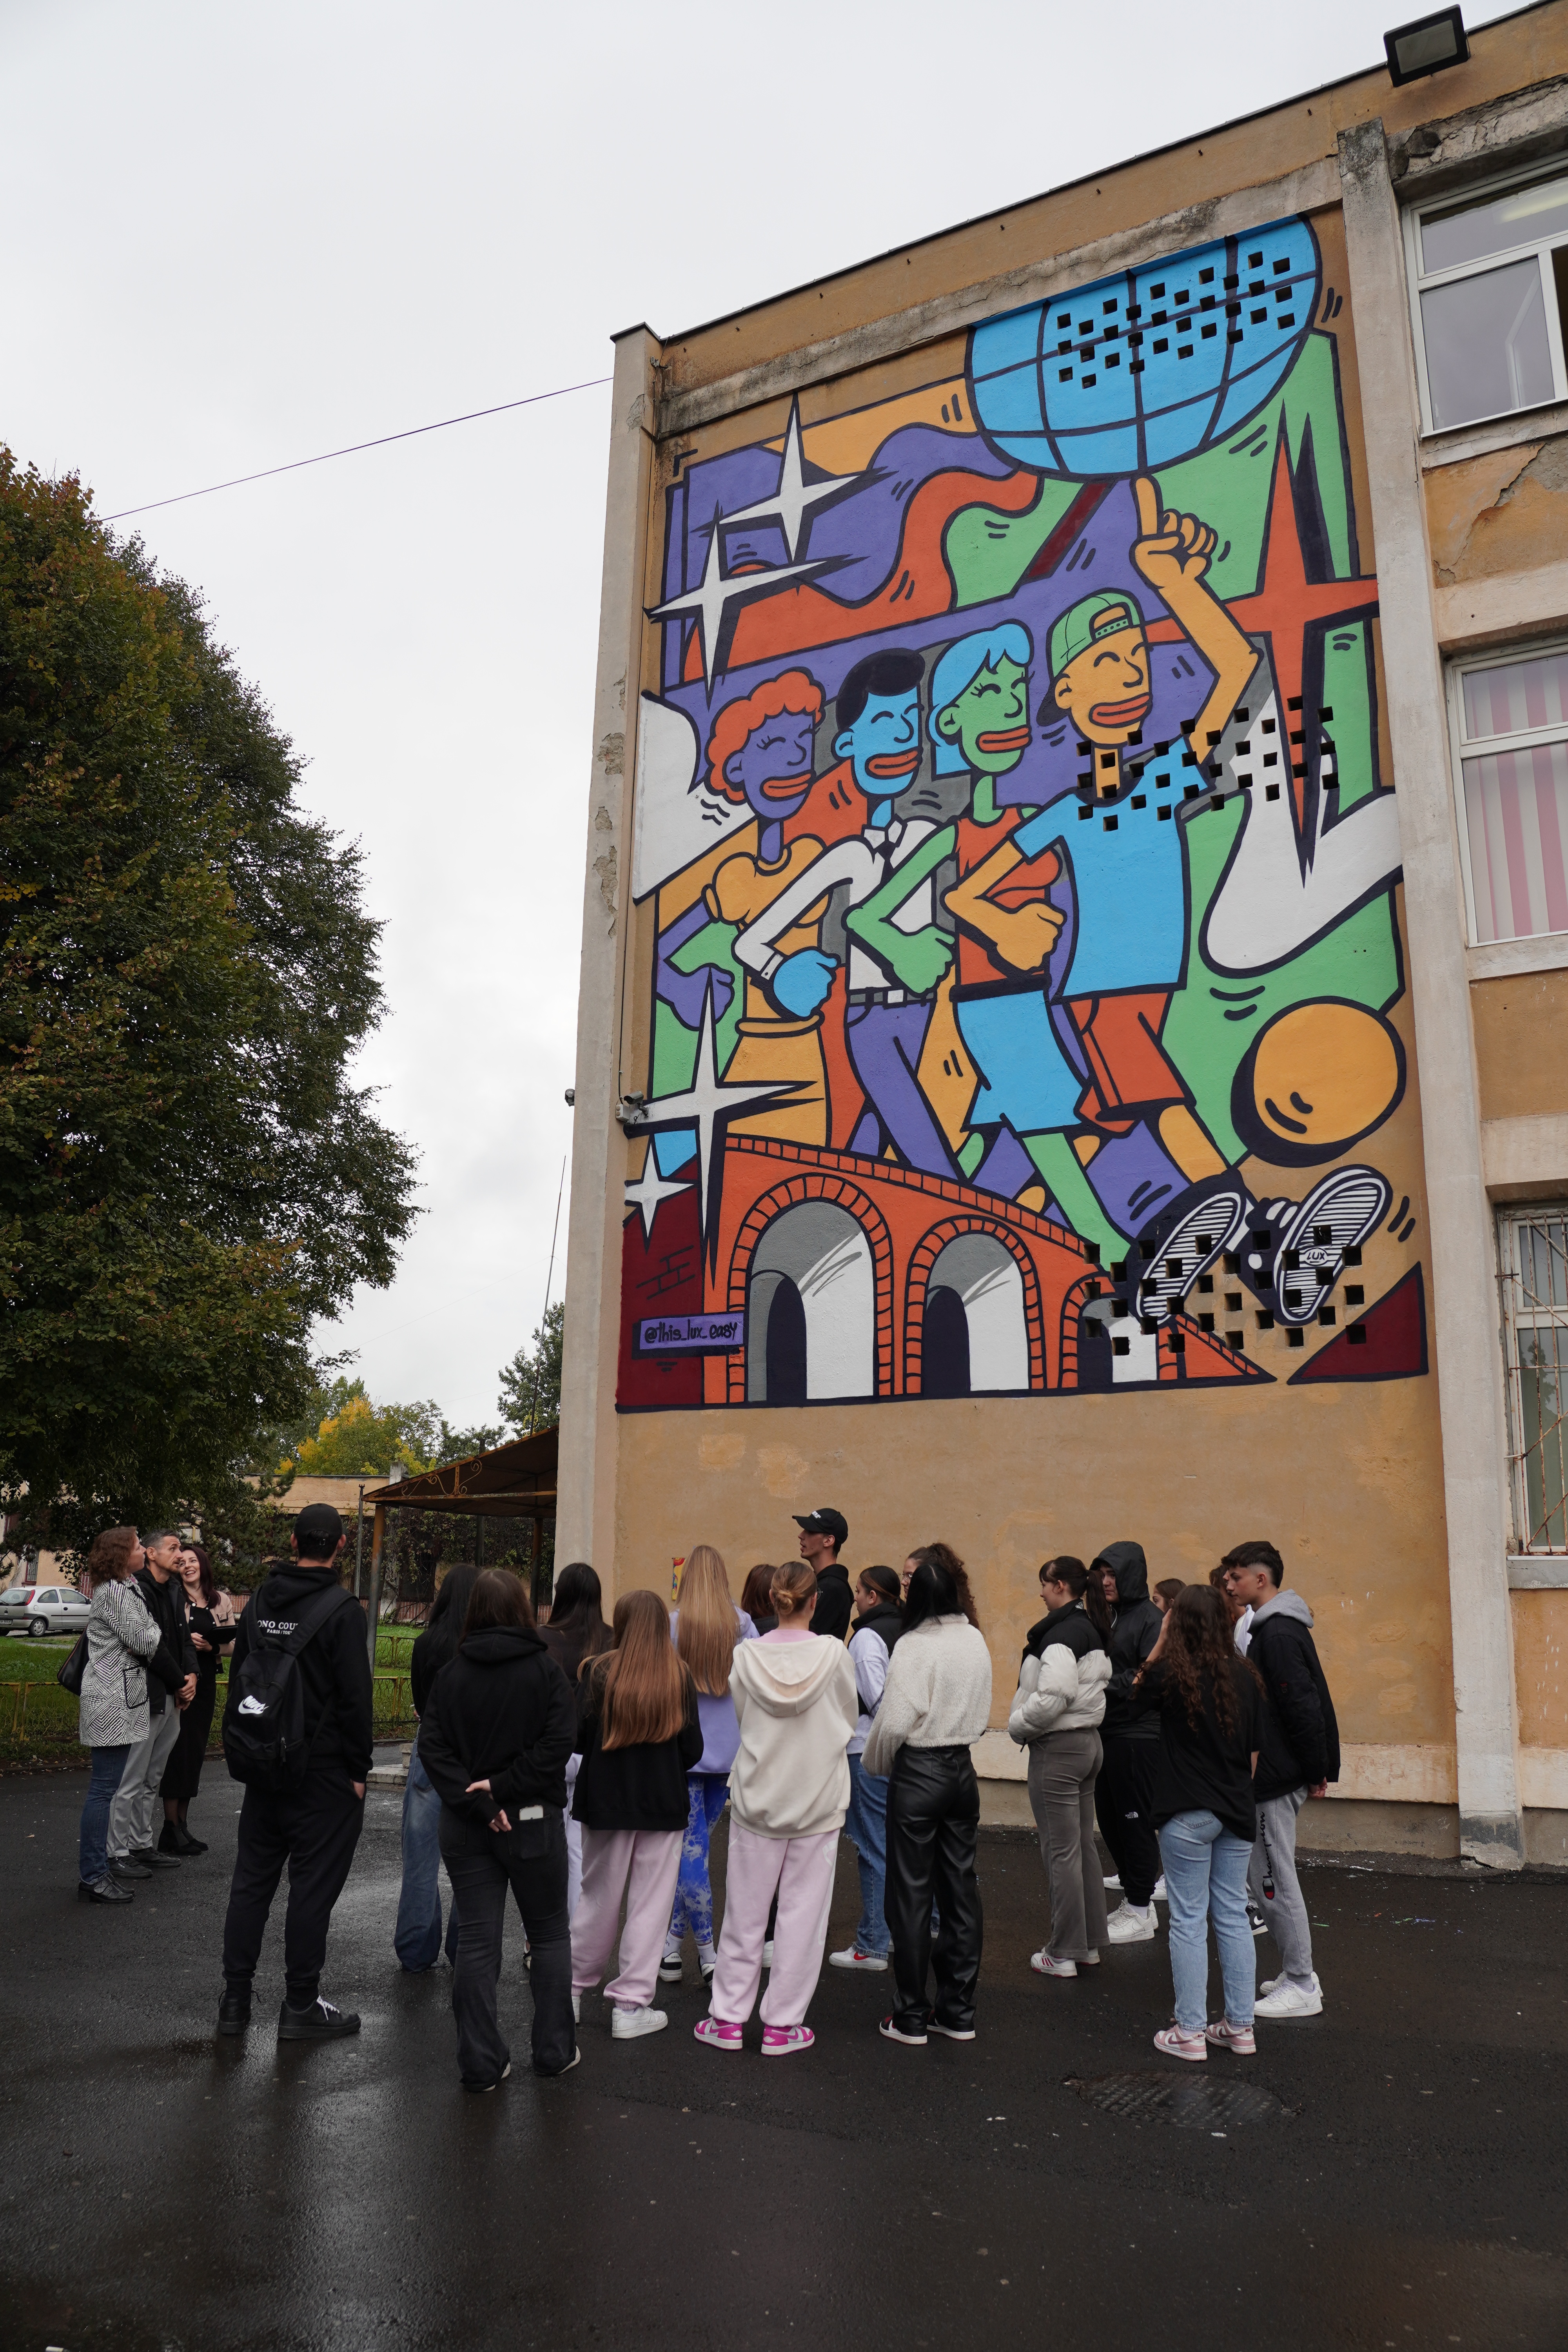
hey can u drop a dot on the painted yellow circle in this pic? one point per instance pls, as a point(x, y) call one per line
point(1324, 1074)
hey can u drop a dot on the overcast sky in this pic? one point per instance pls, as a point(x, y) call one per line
point(237, 236)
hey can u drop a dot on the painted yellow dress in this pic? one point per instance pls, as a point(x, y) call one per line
point(770, 1044)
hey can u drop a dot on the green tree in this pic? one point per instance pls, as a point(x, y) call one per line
point(355, 1438)
point(187, 1176)
point(531, 1384)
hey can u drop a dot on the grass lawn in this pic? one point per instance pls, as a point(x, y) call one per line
point(38, 1720)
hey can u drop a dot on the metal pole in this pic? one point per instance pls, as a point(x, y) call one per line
point(359, 1537)
point(378, 1531)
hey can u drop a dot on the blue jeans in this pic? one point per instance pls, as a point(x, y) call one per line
point(107, 1771)
point(709, 1793)
point(866, 1823)
point(416, 1938)
point(1205, 1878)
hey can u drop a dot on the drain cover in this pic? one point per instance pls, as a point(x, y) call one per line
point(1193, 2099)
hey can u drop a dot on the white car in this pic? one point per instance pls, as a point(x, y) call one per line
point(41, 1609)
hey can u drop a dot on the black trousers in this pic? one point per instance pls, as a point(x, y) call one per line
point(314, 1829)
point(1123, 1795)
point(530, 1858)
point(933, 1816)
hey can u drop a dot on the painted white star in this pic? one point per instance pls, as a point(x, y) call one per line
point(712, 598)
point(649, 1190)
point(708, 1106)
point(795, 496)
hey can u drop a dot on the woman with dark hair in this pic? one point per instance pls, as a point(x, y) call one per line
point(756, 1597)
point(935, 1704)
point(877, 1622)
point(1056, 1715)
point(209, 1617)
point(417, 1938)
point(496, 1732)
point(121, 1641)
point(639, 1735)
point(1210, 1705)
point(576, 1631)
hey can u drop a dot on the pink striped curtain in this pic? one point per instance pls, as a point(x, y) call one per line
point(1516, 803)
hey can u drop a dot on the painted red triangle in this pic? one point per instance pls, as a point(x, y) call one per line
point(1395, 1348)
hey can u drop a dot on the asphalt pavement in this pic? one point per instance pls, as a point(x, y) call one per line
point(1389, 2174)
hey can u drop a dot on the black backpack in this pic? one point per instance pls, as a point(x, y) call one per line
point(264, 1740)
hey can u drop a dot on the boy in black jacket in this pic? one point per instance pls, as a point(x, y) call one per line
point(1129, 1738)
point(314, 1828)
point(1299, 1757)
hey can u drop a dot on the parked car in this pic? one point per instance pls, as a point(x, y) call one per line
point(40, 1609)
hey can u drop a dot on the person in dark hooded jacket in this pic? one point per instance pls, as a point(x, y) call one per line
point(495, 1733)
point(1123, 1794)
point(1298, 1757)
point(416, 1935)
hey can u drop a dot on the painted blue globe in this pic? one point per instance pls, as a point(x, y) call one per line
point(1151, 366)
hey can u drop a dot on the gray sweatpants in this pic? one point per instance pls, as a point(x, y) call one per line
point(132, 1814)
point(1274, 1859)
point(1063, 1767)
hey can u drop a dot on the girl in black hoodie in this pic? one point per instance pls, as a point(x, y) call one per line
point(495, 1734)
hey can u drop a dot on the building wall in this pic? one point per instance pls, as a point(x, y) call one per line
point(898, 1210)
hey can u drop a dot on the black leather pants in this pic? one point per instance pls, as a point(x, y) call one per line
point(934, 1814)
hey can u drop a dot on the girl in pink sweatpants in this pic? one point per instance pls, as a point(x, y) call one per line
point(789, 1789)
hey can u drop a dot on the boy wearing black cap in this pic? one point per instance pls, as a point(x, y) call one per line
point(821, 1533)
point(313, 1828)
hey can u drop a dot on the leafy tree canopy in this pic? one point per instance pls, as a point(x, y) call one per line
point(531, 1384)
point(187, 1175)
point(357, 1438)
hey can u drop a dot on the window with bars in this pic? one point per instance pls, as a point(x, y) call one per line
point(1510, 721)
point(1534, 1264)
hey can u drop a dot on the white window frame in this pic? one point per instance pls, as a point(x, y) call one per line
point(1462, 748)
point(1420, 282)
point(1518, 1311)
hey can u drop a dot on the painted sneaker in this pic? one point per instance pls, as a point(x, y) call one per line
point(1046, 1964)
point(854, 1958)
point(1291, 2000)
point(717, 2034)
point(1296, 1253)
point(631, 2025)
point(1128, 1925)
point(778, 2040)
point(1200, 1225)
point(669, 1968)
point(1239, 2040)
point(1177, 2045)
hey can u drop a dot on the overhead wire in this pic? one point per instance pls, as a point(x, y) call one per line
point(354, 447)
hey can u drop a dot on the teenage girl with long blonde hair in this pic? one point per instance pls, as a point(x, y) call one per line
point(639, 1736)
point(705, 1625)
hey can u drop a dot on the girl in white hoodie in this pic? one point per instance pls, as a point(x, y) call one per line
point(796, 1705)
point(1057, 1713)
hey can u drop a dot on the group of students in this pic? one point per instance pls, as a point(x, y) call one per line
point(584, 1766)
point(1194, 1725)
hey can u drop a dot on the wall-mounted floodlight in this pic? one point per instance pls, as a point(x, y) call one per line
point(1425, 47)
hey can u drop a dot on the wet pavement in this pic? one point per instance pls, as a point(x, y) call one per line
point(1402, 2185)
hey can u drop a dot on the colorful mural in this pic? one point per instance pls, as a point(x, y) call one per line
point(1021, 877)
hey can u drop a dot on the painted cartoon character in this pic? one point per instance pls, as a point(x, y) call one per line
point(1122, 853)
point(889, 993)
point(993, 1067)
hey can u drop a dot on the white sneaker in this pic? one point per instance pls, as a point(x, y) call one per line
point(669, 1968)
point(1160, 1895)
point(1274, 1983)
point(1113, 1884)
point(1128, 1925)
point(1283, 1999)
point(767, 1955)
point(627, 2024)
point(577, 2008)
point(1046, 1964)
point(854, 1958)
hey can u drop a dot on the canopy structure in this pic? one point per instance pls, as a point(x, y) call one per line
point(515, 1481)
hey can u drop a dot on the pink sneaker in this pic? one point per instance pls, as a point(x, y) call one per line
point(778, 2040)
point(716, 2032)
point(1177, 2045)
point(1237, 2038)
